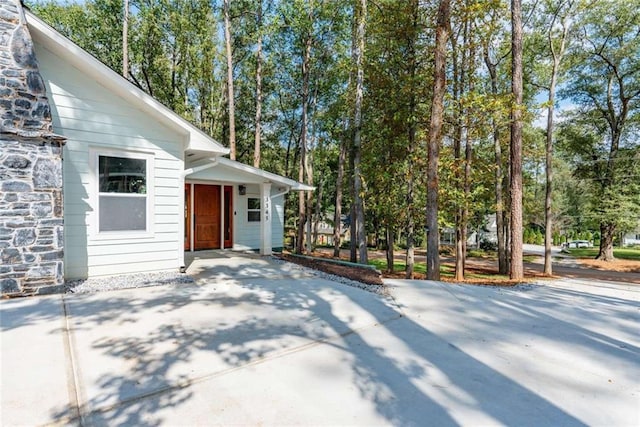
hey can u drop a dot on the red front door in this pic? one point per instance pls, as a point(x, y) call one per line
point(206, 216)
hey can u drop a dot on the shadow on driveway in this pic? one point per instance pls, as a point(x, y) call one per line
point(186, 355)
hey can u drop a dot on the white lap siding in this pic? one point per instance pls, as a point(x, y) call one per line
point(277, 220)
point(95, 119)
point(247, 235)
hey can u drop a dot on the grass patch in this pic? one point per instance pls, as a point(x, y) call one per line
point(446, 271)
point(381, 265)
point(631, 254)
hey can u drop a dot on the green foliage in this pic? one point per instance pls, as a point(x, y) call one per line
point(176, 56)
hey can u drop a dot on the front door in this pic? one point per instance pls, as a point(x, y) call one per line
point(206, 216)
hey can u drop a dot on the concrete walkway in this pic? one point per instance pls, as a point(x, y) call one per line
point(255, 342)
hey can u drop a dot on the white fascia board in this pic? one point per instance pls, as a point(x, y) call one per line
point(64, 48)
point(272, 177)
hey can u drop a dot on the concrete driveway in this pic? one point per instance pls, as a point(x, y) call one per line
point(255, 342)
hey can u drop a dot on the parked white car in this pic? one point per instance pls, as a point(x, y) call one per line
point(578, 244)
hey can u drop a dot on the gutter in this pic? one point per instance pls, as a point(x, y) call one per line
point(184, 173)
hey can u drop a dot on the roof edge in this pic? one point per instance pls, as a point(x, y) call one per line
point(295, 185)
point(197, 139)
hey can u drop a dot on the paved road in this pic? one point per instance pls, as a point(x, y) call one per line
point(261, 343)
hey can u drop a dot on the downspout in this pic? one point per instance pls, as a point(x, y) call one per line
point(183, 175)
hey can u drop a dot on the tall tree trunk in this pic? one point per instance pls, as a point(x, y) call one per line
point(467, 193)
point(125, 40)
point(337, 216)
point(302, 217)
point(498, 187)
point(258, 119)
point(516, 271)
point(557, 57)
point(459, 72)
point(230, 96)
point(435, 137)
point(548, 268)
point(317, 213)
point(304, 155)
point(353, 235)
point(410, 260)
point(361, 16)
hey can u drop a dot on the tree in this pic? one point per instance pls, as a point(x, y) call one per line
point(125, 40)
point(435, 137)
point(358, 58)
point(557, 38)
point(230, 92)
point(258, 120)
point(516, 271)
point(605, 84)
point(495, 50)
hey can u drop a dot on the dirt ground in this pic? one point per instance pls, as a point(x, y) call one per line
point(360, 274)
point(618, 265)
point(616, 271)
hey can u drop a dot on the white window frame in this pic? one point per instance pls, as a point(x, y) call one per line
point(258, 210)
point(94, 221)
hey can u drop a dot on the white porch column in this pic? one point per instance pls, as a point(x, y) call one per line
point(265, 219)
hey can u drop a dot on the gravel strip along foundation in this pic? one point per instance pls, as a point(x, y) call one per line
point(126, 281)
point(143, 280)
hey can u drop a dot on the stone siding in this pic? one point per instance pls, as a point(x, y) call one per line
point(23, 100)
point(31, 221)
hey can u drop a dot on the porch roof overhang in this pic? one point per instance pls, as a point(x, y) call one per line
point(233, 171)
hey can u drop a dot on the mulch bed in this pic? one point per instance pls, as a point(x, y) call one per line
point(363, 275)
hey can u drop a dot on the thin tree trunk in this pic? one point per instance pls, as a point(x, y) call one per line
point(230, 92)
point(498, 187)
point(467, 195)
point(125, 40)
point(516, 270)
point(258, 120)
point(410, 260)
point(435, 137)
point(353, 240)
point(317, 214)
point(337, 216)
point(357, 135)
point(557, 57)
point(459, 70)
point(304, 161)
point(300, 240)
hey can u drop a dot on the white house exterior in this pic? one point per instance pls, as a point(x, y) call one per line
point(632, 238)
point(142, 185)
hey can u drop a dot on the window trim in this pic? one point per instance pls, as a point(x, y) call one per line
point(94, 225)
point(258, 210)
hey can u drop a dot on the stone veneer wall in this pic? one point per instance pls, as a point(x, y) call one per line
point(31, 222)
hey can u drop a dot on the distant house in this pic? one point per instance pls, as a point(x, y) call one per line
point(324, 232)
point(632, 238)
point(487, 232)
point(98, 178)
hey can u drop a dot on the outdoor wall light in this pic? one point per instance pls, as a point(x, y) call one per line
point(242, 189)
